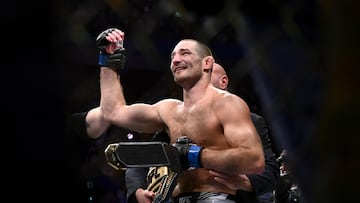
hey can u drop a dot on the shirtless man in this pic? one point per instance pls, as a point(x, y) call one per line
point(217, 121)
point(250, 188)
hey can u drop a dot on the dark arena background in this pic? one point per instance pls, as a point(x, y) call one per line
point(295, 62)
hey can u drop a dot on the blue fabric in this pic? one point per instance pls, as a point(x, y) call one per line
point(103, 59)
point(194, 156)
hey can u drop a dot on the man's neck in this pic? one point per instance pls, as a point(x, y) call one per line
point(196, 94)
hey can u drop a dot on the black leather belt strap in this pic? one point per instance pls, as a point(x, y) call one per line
point(124, 155)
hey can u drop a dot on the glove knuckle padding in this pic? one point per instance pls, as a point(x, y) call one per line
point(101, 41)
point(115, 60)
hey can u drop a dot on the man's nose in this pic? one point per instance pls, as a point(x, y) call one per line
point(175, 59)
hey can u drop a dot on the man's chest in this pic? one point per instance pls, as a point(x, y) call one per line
point(197, 123)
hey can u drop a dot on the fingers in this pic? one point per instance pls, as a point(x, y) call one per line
point(115, 35)
point(116, 39)
point(228, 183)
point(144, 196)
point(221, 175)
point(149, 193)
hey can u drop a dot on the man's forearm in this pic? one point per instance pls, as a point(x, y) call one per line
point(111, 92)
point(227, 161)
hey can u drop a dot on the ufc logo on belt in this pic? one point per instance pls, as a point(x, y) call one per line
point(161, 180)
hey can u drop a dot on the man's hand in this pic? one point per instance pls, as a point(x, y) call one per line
point(233, 182)
point(189, 153)
point(144, 196)
point(110, 46)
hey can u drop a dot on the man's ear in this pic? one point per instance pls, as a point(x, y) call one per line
point(224, 81)
point(208, 62)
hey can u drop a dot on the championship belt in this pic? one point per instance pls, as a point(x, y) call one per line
point(162, 159)
point(162, 181)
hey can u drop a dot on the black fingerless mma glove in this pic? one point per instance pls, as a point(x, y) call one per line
point(115, 60)
point(189, 153)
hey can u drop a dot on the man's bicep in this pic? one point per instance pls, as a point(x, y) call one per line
point(238, 127)
point(138, 117)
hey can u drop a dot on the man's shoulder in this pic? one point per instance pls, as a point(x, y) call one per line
point(231, 99)
point(169, 102)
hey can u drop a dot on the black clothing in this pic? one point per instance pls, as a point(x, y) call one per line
point(134, 179)
point(266, 181)
point(97, 179)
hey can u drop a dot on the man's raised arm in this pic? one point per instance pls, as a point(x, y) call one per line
point(138, 117)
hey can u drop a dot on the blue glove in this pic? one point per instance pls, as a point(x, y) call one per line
point(189, 153)
point(115, 60)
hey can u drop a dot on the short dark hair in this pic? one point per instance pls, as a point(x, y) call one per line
point(204, 50)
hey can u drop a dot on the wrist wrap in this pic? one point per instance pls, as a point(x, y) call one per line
point(194, 156)
point(103, 59)
point(115, 60)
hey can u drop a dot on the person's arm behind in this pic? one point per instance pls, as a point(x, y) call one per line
point(87, 124)
point(95, 123)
